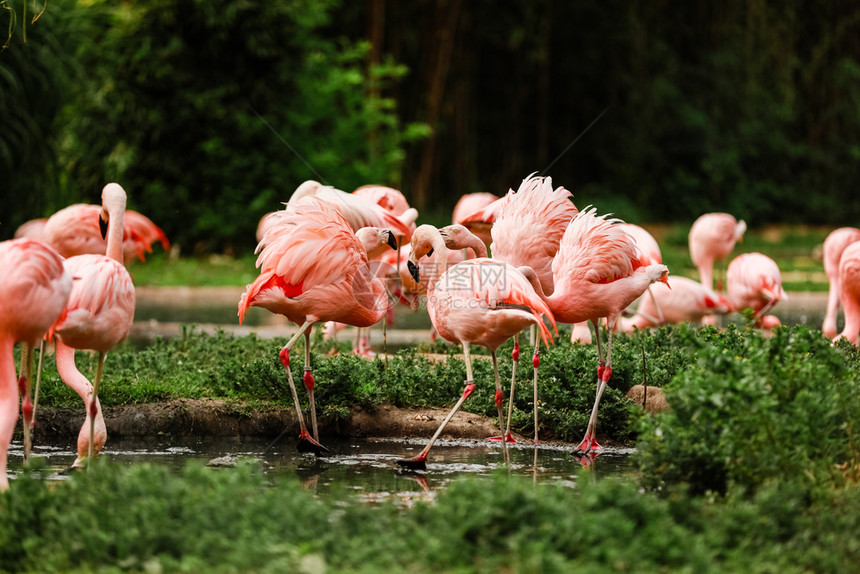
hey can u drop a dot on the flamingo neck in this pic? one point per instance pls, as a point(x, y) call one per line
point(114, 236)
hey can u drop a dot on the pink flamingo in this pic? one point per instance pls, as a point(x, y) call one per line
point(314, 268)
point(32, 229)
point(597, 274)
point(357, 210)
point(388, 197)
point(686, 301)
point(34, 288)
point(97, 317)
point(529, 225)
point(834, 245)
point(712, 238)
point(73, 230)
point(849, 273)
point(474, 212)
point(753, 282)
point(481, 301)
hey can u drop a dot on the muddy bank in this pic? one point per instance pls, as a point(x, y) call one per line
point(218, 418)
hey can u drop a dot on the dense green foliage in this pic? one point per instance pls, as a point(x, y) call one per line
point(735, 106)
point(236, 520)
point(755, 468)
point(749, 412)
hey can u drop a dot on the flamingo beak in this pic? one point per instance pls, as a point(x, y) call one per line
point(392, 241)
point(665, 281)
point(103, 224)
point(413, 270)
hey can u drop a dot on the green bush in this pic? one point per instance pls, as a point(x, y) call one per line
point(752, 411)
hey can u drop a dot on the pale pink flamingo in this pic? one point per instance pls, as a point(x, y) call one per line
point(474, 212)
point(32, 229)
point(97, 317)
point(478, 301)
point(388, 197)
point(597, 274)
point(712, 238)
point(314, 268)
point(753, 282)
point(528, 227)
point(834, 245)
point(74, 230)
point(849, 274)
point(686, 301)
point(357, 210)
point(34, 288)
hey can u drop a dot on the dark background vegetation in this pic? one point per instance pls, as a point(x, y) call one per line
point(739, 105)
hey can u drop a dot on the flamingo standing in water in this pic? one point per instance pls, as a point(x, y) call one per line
point(597, 274)
point(481, 301)
point(98, 316)
point(753, 282)
point(34, 289)
point(849, 273)
point(529, 225)
point(834, 245)
point(314, 268)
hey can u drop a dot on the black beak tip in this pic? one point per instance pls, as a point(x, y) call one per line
point(392, 241)
point(413, 270)
point(103, 227)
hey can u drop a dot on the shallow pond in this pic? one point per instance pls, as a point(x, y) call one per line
point(366, 467)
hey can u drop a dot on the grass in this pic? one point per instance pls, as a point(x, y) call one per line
point(793, 248)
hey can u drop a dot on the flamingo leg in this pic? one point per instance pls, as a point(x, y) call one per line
point(306, 442)
point(93, 405)
point(515, 355)
point(27, 404)
point(500, 397)
point(420, 460)
point(660, 319)
point(309, 385)
point(604, 371)
point(535, 365)
point(38, 379)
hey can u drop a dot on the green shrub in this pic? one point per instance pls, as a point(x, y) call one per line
point(751, 411)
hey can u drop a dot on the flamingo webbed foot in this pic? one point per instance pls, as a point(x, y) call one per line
point(417, 463)
point(308, 444)
point(509, 438)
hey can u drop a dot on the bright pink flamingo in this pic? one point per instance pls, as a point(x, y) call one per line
point(712, 238)
point(597, 274)
point(686, 301)
point(34, 288)
point(753, 282)
point(74, 231)
point(314, 268)
point(474, 212)
point(849, 273)
point(481, 301)
point(834, 245)
point(529, 224)
point(97, 317)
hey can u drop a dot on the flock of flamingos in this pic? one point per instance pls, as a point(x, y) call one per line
point(329, 256)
